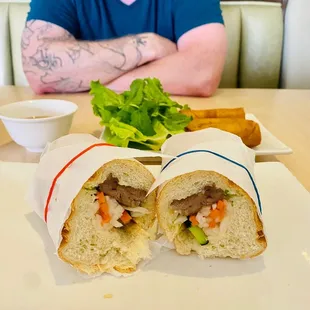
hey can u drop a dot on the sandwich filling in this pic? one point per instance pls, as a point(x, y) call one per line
point(202, 212)
point(119, 204)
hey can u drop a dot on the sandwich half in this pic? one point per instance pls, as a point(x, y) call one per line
point(206, 213)
point(107, 227)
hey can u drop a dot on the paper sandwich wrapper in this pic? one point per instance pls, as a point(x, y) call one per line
point(54, 158)
point(212, 150)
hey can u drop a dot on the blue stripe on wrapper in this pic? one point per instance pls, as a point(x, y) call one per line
point(225, 158)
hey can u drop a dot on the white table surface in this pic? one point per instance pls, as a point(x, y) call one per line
point(33, 278)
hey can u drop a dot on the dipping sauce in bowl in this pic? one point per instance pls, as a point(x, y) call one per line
point(34, 123)
point(36, 117)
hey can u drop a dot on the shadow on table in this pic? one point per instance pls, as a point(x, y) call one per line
point(169, 262)
point(63, 273)
point(266, 158)
point(97, 133)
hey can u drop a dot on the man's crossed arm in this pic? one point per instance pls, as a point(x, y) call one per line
point(194, 70)
point(54, 61)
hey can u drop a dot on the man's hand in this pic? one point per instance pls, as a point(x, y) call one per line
point(162, 46)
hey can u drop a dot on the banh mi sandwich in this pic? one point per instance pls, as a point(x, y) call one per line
point(215, 113)
point(106, 229)
point(205, 212)
point(247, 130)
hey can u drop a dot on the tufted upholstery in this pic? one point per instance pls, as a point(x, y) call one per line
point(18, 13)
point(255, 35)
point(5, 51)
point(296, 53)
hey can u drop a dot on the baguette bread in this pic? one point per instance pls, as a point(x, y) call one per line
point(90, 248)
point(240, 235)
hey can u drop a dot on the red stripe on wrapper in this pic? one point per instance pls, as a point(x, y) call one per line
point(63, 170)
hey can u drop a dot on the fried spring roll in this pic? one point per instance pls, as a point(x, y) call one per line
point(247, 130)
point(216, 113)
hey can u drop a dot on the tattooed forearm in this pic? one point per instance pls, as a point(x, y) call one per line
point(59, 62)
point(136, 41)
point(62, 84)
point(74, 52)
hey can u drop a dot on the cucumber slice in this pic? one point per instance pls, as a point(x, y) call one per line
point(199, 235)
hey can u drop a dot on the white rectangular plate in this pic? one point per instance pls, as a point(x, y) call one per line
point(270, 144)
point(277, 280)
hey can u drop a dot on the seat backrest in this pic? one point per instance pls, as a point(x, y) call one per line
point(255, 34)
point(296, 54)
point(5, 52)
point(18, 14)
point(255, 37)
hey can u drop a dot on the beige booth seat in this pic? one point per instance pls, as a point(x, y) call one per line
point(296, 54)
point(6, 77)
point(18, 14)
point(255, 35)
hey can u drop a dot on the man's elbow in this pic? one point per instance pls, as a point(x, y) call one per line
point(33, 81)
point(206, 87)
point(36, 84)
point(37, 87)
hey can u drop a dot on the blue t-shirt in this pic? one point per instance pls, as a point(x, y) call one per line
point(106, 19)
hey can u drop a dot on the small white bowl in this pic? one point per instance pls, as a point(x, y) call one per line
point(33, 133)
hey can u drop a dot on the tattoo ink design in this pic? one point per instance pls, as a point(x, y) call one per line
point(75, 51)
point(61, 84)
point(27, 35)
point(45, 60)
point(137, 41)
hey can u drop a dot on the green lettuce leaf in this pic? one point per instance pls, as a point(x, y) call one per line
point(134, 97)
point(175, 122)
point(143, 117)
point(142, 121)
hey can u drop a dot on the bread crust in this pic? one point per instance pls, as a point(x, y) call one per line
point(260, 236)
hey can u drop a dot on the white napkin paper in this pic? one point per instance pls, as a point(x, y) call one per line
point(212, 150)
